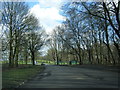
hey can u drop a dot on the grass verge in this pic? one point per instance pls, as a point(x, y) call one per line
point(12, 78)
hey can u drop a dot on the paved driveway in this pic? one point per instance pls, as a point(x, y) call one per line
point(69, 77)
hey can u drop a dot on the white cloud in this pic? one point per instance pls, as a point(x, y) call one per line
point(50, 3)
point(47, 12)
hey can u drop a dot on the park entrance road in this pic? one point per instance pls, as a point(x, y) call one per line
point(70, 77)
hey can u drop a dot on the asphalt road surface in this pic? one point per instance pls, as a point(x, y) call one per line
point(70, 77)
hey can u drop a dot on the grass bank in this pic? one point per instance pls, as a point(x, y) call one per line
point(11, 78)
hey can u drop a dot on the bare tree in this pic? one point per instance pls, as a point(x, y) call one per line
point(18, 22)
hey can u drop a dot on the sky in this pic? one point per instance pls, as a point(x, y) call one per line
point(48, 13)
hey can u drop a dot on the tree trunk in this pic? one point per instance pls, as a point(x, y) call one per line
point(11, 61)
point(101, 56)
point(57, 59)
point(106, 33)
point(89, 55)
point(96, 49)
point(16, 51)
point(33, 57)
point(80, 60)
point(118, 50)
point(26, 57)
point(16, 58)
point(56, 56)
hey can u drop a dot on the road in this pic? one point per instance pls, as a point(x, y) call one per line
point(70, 77)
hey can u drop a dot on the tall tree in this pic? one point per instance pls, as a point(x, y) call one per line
point(36, 41)
point(13, 15)
point(84, 24)
point(16, 20)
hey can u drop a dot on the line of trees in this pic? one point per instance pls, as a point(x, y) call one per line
point(22, 33)
point(90, 34)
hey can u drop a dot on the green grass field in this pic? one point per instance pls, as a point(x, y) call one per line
point(45, 61)
point(29, 62)
point(38, 62)
point(11, 78)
